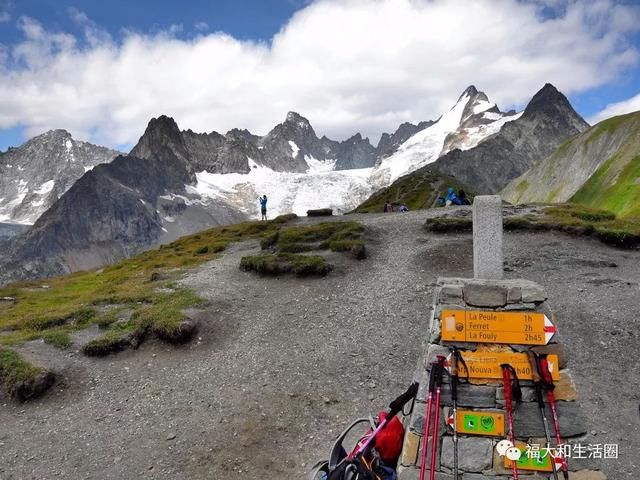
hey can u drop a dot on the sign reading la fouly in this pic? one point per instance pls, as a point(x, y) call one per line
point(522, 328)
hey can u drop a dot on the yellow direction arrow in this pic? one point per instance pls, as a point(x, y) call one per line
point(521, 328)
point(486, 365)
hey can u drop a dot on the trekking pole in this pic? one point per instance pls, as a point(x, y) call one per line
point(436, 418)
point(537, 382)
point(427, 420)
point(507, 371)
point(456, 358)
point(394, 408)
point(543, 368)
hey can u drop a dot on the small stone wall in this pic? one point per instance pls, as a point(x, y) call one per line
point(477, 455)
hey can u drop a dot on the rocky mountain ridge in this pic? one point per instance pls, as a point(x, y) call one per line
point(34, 175)
point(177, 182)
point(288, 147)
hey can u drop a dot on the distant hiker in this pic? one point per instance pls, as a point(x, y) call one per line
point(463, 197)
point(452, 198)
point(403, 208)
point(263, 207)
point(441, 201)
point(388, 207)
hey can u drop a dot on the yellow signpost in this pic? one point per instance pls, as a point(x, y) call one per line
point(487, 365)
point(521, 328)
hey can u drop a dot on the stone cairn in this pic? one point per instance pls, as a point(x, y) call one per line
point(478, 458)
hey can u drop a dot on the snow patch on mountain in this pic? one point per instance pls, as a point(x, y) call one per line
point(45, 188)
point(294, 148)
point(474, 135)
point(287, 192)
point(482, 106)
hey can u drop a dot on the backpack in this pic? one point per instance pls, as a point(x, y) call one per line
point(375, 463)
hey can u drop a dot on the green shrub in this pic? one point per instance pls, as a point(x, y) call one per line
point(218, 247)
point(202, 250)
point(269, 240)
point(58, 339)
point(618, 237)
point(294, 247)
point(301, 265)
point(355, 247)
point(105, 319)
point(110, 342)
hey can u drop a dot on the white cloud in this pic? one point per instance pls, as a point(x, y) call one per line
point(619, 108)
point(201, 26)
point(347, 65)
point(5, 17)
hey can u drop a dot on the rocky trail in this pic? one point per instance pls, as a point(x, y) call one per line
point(280, 366)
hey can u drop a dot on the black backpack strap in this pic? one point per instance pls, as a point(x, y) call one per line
point(337, 451)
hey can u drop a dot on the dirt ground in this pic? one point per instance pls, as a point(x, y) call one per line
point(281, 365)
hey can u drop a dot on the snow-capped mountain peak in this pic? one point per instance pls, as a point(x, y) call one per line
point(472, 119)
point(34, 175)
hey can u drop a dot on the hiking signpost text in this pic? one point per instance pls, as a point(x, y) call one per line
point(523, 328)
point(486, 365)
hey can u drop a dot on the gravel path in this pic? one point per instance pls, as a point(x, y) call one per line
point(283, 364)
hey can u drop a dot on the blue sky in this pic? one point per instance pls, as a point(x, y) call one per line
point(102, 69)
point(245, 19)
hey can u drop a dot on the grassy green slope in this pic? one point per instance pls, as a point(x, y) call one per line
point(615, 187)
point(596, 168)
point(417, 190)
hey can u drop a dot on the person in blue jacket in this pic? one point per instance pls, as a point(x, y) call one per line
point(263, 206)
point(452, 198)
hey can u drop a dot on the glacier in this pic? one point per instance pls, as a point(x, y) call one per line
point(321, 186)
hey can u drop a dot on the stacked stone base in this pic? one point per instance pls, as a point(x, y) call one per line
point(477, 456)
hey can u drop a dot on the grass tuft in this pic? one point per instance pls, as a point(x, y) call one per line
point(58, 338)
point(269, 241)
point(110, 342)
point(300, 265)
point(20, 379)
point(355, 247)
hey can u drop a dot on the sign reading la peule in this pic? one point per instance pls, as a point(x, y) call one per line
point(522, 328)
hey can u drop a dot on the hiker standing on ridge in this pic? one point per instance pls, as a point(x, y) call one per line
point(263, 206)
